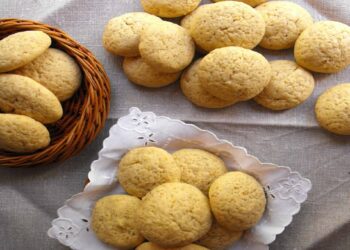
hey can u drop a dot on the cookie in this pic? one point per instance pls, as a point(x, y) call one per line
point(290, 85)
point(199, 168)
point(20, 48)
point(237, 201)
point(55, 70)
point(121, 35)
point(234, 74)
point(174, 215)
point(114, 221)
point(227, 23)
point(140, 73)
point(324, 47)
point(22, 134)
point(192, 88)
point(167, 47)
point(152, 246)
point(252, 3)
point(169, 8)
point(219, 238)
point(284, 23)
point(333, 109)
point(142, 169)
point(24, 96)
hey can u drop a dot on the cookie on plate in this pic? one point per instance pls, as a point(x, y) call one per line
point(227, 23)
point(194, 91)
point(55, 70)
point(152, 246)
point(169, 8)
point(174, 215)
point(199, 168)
point(20, 48)
point(142, 169)
point(290, 85)
point(237, 201)
point(234, 74)
point(167, 47)
point(284, 23)
point(252, 3)
point(324, 47)
point(114, 221)
point(140, 73)
point(333, 109)
point(219, 238)
point(121, 35)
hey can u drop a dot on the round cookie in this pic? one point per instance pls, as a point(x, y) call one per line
point(237, 201)
point(284, 23)
point(152, 246)
point(169, 8)
point(121, 35)
point(199, 168)
point(252, 3)
point(290, 85)
point(234, 74)
point(142, 169)
point(167, 47)
point(20, 48)
point(227, 23)
point(114, 221)
point(192, 88)
point(333, 109)
point(142, 74)
point(55, 70)
point(324, 47)
point(218, 238)
point(186, 21)
point(174, 215)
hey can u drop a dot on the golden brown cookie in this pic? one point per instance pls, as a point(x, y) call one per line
point(324, 47)
point(55, 70)
point(284, 23)
point(225, 24)
point(174, 215)
point(114, 221)
point(152, 246)
point(252, 3)
point(121, 35)
point(237, 201)
point(169, 8)
point(142, 169)
point(140, 73)
point(333, 109)
point(290, 85)
point(234, 74)
point(21, 48)
point(22, 134)
point(199, 168)
point(167, 47)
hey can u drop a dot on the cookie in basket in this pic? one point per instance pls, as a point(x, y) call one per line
point(169, 8)
point(199, 168)
point(152, 246)
point(237, 201)
point(142, 169)
point(55, 70)
point(20, 48)
point(174, 215)
point(114, 221)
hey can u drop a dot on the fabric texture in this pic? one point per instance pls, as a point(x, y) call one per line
point(29, 197)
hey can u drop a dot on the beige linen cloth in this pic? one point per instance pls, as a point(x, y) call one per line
point(29, 197)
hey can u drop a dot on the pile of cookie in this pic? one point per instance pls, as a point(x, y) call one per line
point(187, 200)
point(34, 80)
point(228, 70)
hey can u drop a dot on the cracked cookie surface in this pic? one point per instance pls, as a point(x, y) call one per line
point(169, 8)
point(252, 3)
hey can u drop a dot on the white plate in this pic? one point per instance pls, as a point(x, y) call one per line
point(285, 189)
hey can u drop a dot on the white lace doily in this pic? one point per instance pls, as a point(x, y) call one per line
point(285, 189)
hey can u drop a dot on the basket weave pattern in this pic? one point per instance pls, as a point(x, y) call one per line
point(84, 114)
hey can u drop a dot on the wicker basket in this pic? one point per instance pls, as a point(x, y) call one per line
point(84, 114)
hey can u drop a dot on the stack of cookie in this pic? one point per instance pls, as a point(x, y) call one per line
point(34, 80)
point(179, 194)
